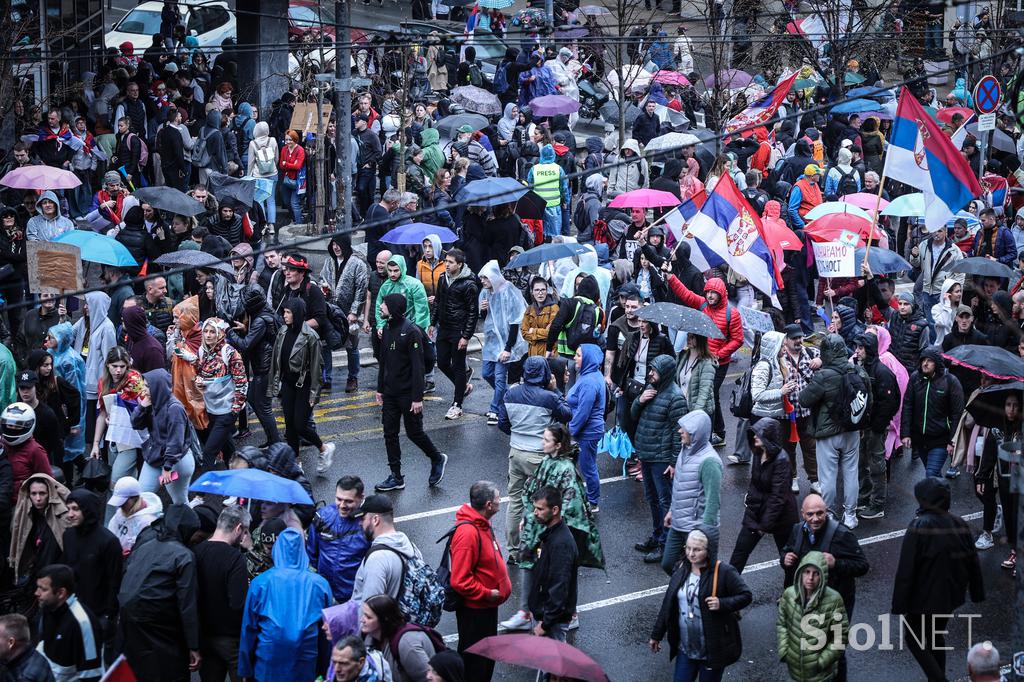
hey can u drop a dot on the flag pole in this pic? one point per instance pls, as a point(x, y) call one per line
point(874, 218)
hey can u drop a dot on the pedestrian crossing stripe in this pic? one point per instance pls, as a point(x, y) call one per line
point(334, 410)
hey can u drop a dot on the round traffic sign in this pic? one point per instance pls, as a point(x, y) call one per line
point(987, 94)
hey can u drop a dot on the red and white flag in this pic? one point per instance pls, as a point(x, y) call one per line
point(763, 109)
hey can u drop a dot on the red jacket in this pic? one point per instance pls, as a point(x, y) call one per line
point(730, 324)
point(26, 460)
point(477, 564)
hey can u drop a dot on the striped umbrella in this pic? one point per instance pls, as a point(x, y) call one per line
point(495, 4)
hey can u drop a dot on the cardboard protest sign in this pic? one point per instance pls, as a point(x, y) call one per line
point(53, 267)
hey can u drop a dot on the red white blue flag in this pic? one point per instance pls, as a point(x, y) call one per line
point(763, 109)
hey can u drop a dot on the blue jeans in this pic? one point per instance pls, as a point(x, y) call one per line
point(177, 490)
point(291, 198)
point(689, 670)
point(270, 205)
point(552, 221)
point(565, 222)
point(496, 376)
point(933, 36)
point(353, 362)
point(588, 467)
point(658, 492)
point(932, 460)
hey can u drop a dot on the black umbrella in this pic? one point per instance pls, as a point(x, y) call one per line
point(169, 199)
point(983, 267)
point(680, 317)
point(987, 406)
point(226, 187)
point(610, 112)
point(448, 125)
point(193, 258)
point(530, 206)
point(993, 362)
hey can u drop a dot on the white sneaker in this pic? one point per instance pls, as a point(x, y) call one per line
point(816, 487)
point(492, 418)
point(997, 526)
point(454, 412)
point(574, 624)
point(850, 520)
point(795, 486)
point(325, 459)
point(984, 541)
point(520, 621)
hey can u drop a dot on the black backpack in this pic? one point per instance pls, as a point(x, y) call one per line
point(847, 183)
point(580, 329)
point(452, 600)
point(741, 404)
point(852, 406)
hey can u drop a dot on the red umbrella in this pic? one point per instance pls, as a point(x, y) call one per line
point(829, 228)
point(778, 236)
point(540, 653)
point(645, 198)
point(946, 114)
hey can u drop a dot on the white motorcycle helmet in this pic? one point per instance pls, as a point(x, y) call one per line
point(17, 423)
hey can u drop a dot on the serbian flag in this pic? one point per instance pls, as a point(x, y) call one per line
point(921, 156)
point(960, 136)
point(120, 671)
point(763, 109)
point(727, 230)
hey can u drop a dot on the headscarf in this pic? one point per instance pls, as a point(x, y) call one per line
point(222, 329)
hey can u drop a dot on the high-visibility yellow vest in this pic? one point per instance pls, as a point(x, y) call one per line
point(547, 183)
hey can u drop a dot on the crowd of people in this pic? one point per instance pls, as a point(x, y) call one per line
point(114, 402)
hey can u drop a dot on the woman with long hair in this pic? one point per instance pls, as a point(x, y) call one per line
point(438, 196)
point(295, 376)
point(699, 610)
point(992, 481)
point(559, 470)
point(183, 341)
point(169, 452)
point(407, 647)
point(221, 377)
point(119, 391)
point(66, 402)
point(695, 374)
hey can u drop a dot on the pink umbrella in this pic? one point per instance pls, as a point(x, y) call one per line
point(645, 198)
point(40, 177)
point(540, 653)
point(670, 78)
point(865, 200)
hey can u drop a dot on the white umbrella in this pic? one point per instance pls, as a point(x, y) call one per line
point(671, 142)
point(1000, 140)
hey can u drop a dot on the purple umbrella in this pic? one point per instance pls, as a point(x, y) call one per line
point(40, 177)
point(571, 32)
point(730, 79)
point(553, 105)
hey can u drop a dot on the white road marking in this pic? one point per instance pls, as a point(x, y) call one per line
point(764, 565)
point(452, 510)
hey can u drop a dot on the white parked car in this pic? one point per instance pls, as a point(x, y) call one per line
point(210, 22)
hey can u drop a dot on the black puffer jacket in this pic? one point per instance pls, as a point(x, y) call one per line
point(932, 405)
point(909, 336)
point(455, 310)
point(721, 628)
point(257, 346)
point(885, 391)
point(136, 238)
point(770, 504)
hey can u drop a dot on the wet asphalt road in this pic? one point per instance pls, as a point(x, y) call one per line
point(617, 607)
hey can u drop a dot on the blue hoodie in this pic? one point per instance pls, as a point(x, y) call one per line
point(280, 625)
point(586, 398)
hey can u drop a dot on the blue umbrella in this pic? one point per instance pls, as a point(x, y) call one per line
point(854, 106)
point(908, 205)
point(415, 233)
point(871, 92)
point(972, 220)
point(251, 484)
point(99, 248)
point(492, 191)
point(545, 252)
point(881, 260)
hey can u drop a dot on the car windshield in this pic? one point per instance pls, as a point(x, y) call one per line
point(487, 45)
point(142, 21)
point(308, 15)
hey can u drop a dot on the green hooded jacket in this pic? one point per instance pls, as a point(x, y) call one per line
point(809, 647)
point(560, 472)
point(657, 436)
point(433, 157)
point(410, 287)
point(822, 393)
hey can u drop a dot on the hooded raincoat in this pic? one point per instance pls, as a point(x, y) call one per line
point(588, 265)
point(70, 367)
point(37, 538)
point(282, 615)
point(504, 316)
point(417, 310)
point(587, 396)
point(183, 349)
point(94, 337)
point(892, 437)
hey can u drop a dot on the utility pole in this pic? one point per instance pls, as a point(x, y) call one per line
point(343, 111)
point(549, 16)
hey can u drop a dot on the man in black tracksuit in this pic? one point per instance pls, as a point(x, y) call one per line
point(885, 402)
point(400, 392)
point(932, 405)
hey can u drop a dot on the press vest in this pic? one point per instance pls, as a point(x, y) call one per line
point(547, 183)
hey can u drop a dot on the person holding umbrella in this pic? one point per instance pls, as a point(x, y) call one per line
point(704, 594)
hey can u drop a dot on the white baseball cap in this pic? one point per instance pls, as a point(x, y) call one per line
point(125, 488)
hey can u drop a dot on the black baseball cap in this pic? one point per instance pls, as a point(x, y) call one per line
point(27, 378)
point(794, 331)
point(374, 504)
